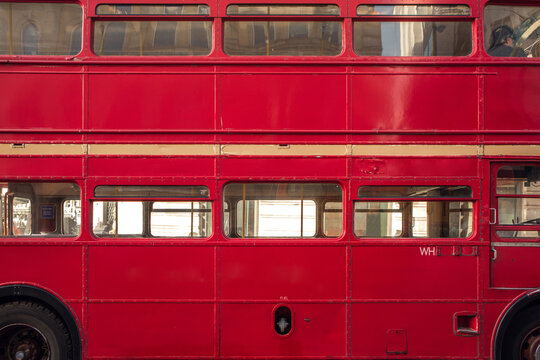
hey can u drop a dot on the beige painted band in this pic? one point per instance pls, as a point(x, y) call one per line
point(512, 150)
point(269, 150)
point(418, 150)
point(152, 149)
point(43, 149)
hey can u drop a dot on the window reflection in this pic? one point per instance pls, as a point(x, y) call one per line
point(412, 38)
point(512, 31)
point(152, 38)
point(296, 38)
point(40, 28)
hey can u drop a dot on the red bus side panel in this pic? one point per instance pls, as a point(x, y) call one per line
point(511, 107)
point(150, 329)
point(146, 272)
point(161, 100)
point(42, 100)
point(54, 268)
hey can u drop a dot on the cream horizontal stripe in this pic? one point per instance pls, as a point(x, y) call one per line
point(43, 149)
point(152, 149)
point(270, 150)
point(421, 150)
point(512, 150)
point(286, 150)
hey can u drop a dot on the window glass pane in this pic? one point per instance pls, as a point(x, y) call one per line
point(113, 219)
point(38, 209)
point(276, 218)
point(163, 9)
point(72, 217)
point(282, 210)
point(413, 38)
point(518, 234)
point(413, 10)
point(518, 180)
point(436, 191)
point(22, 216)
point(153, 38)
point(181, 219)
point(295, 10)
point(40, 28)
point(333, 219)
point(408, 219)
point(274, 38)
point(151, 191)
point(512, 30)
point(519, 211)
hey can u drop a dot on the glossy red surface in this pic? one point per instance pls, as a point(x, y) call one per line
point(215, 298)
point(248, 330)
point(276, 273)
point(150, 329)
point(180, 273)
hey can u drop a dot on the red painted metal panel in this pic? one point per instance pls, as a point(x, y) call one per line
point(298, 168)
point(420, 98)
point(146, 272)
point(150, 330)
point(158, 166)
point(284, 98)
point(412, 272)
point(57, 268)
point(41, 100)
point(511, 98)
point(279, 272)
point(428, 326)
point(515, 267)
point(492, 312)
point(152, 99)
point(411, 167)
point(248, 330)
point(60, 167)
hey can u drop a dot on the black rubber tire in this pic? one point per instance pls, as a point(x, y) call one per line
point(524, 322)
point(33, 316)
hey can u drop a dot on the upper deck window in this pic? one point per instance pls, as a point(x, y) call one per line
point(512, 31)
point(170, 37)
point(283, 10)
point(413, 10)
point(152, 10)
point(40, 28)
point(417, 36)
point(295, 37)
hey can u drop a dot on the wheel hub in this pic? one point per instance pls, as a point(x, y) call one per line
point(25, 343)
point(530, 347)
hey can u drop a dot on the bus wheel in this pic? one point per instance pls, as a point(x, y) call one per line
point(29, 331)
point(523, 339)
point(530, 346)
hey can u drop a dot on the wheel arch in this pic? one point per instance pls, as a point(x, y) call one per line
point(17, 292)
point(519, 304)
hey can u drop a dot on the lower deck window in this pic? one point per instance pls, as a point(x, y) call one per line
point(40, 209)
point(281, 210)
point(412, 219)
point(185, 219)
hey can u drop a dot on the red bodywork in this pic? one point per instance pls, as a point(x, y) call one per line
point(214, 298)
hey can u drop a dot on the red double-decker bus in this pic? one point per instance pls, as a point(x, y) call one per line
point(257, 179)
